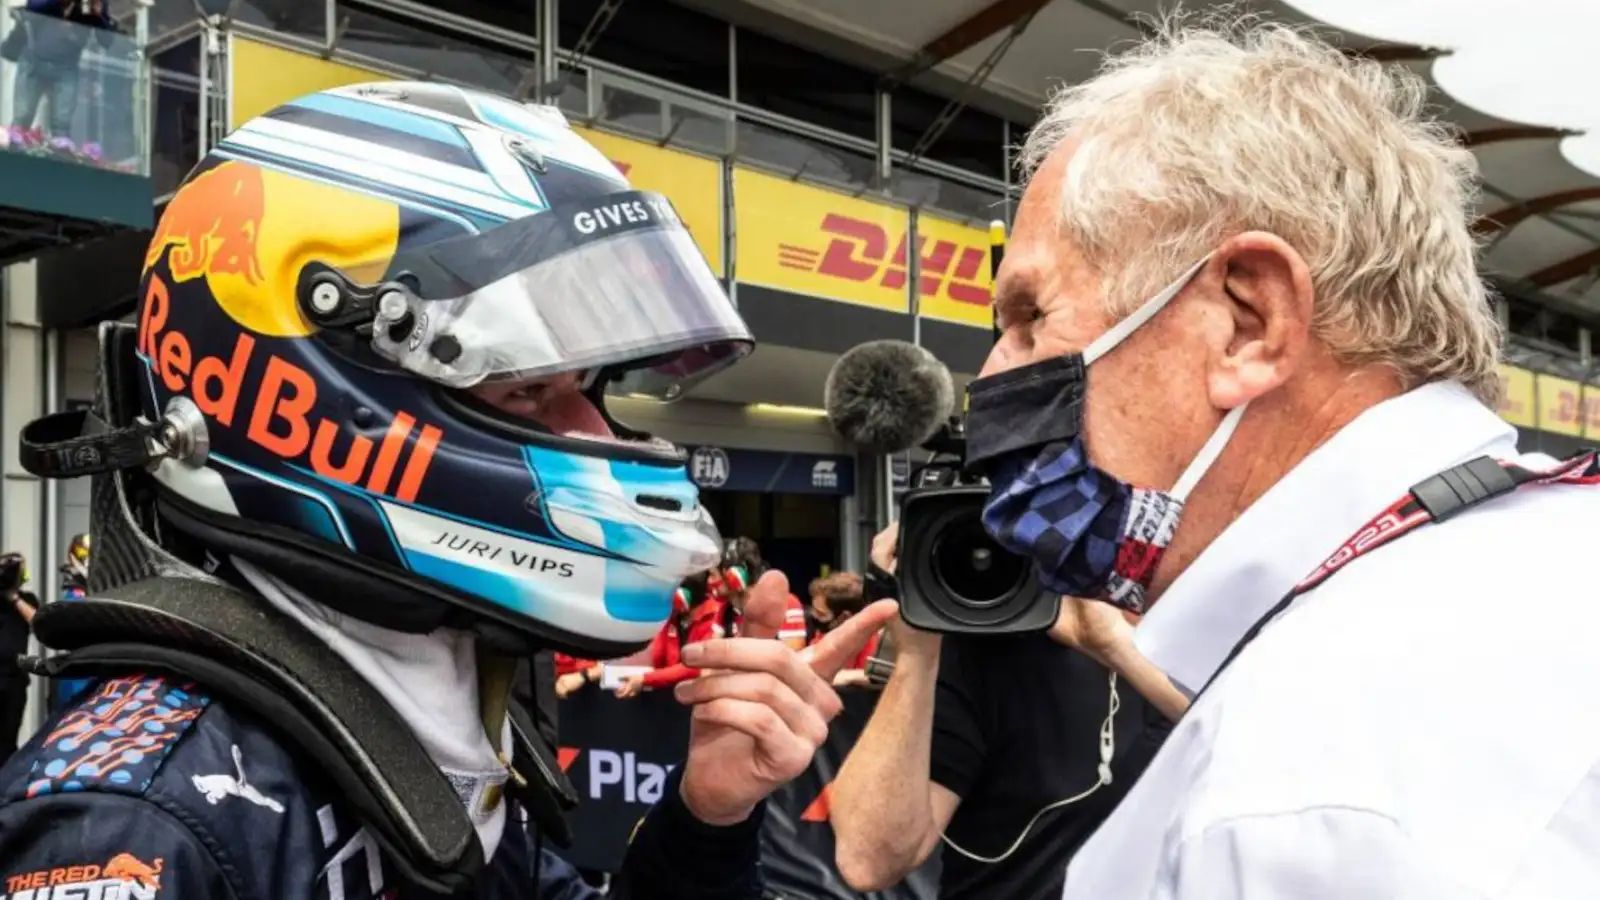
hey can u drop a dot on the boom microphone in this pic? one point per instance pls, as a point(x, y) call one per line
point(888, 396)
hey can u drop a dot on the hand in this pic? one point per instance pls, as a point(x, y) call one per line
point(761, 710)
point(885, 554)
point(631, 687)
point(24, 609)
point(570, 682)
point(886, 547)
point(1097, 629)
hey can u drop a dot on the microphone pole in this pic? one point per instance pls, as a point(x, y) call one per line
point(997, 252)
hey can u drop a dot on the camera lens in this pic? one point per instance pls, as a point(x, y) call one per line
point(974, 570)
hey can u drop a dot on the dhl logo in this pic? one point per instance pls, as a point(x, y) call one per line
point(279, 413)
point(1572, 410)
point(859, 251)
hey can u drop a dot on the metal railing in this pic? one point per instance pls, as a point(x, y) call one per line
point(610, 97)
point(73, 92)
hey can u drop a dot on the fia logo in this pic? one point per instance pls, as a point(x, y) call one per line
point(825, 474)
point(708, 467)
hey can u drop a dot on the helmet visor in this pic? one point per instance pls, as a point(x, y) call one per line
point(613, 283)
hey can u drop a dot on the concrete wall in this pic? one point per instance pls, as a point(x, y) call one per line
point(26, 515)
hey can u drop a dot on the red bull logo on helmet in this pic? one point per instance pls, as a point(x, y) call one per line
point(211, 226)
point(247, 232)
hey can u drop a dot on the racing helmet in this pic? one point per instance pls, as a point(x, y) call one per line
point(386, 319)
point(77, 564)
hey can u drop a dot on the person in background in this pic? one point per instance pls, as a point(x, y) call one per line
point(75, 571)
point(834, 599)
point(1004, 752)
point(697, 612)
point(74, 584)
point(47, 70)
point(573, 673)
point(742, 566)
point(16, 617)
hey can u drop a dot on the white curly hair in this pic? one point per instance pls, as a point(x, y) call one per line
point(1203, 131)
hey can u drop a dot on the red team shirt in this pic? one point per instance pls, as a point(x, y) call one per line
point(712, 618)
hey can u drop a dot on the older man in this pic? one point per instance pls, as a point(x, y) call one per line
point(1242, 289)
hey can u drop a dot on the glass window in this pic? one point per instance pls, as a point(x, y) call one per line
point(175, 119)
point(974, 140)
point(443, 55)
point(659, 39)
point(296, 17)
point(519, 17)
point(807, 86)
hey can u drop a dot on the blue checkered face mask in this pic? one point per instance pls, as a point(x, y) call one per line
point(1088, 533)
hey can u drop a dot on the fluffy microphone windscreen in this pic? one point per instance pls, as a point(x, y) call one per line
point(888, 396)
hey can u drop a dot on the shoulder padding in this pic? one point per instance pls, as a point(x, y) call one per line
point(112, 739)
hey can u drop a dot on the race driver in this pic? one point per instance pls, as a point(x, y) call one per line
point(352, 464)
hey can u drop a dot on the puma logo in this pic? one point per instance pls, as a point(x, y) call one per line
point(216, 787)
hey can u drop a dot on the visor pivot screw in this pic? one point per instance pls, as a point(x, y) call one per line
point(394, 312)
point(362, 417)
point(445, 349)
point(392, 306)
point(325, 298)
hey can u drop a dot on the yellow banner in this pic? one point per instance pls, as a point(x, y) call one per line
point(1590, 395)
point(1558, 405)
point(265, 77)
point(1517, 405)
point(807, 240)
point(957, 285)
point(692, 183)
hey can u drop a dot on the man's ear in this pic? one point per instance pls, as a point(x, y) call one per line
point(1266, 288)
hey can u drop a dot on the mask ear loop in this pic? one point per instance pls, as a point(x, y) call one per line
point(1119, 332)
point(1208, 454)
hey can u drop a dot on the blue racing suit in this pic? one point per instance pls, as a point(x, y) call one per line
point(146, 787)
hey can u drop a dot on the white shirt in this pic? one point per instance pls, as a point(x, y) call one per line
point(1421, 725)
point(431, 680)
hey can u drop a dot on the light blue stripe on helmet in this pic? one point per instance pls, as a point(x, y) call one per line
point(384, 116)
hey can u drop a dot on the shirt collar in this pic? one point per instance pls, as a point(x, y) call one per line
point(1303, 518)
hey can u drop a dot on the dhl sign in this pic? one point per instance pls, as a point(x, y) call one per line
point(1549, 403)
point(812, 241)
point(1517, 397)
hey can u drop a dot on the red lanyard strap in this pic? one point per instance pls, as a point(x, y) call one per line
point(1439, 498)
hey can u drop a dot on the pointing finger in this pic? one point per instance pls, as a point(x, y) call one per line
point(830, 654)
